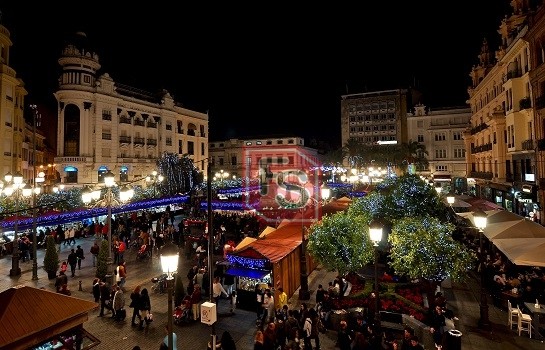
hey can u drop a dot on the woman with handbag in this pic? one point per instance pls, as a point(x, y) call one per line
point(145, 308)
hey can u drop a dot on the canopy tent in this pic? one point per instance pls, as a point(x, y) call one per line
point(458, 203)
point(523, 252)
point(482, 204)
point(523, 228)
point(493, 216)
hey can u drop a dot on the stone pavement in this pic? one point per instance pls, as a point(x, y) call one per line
point(463, 299)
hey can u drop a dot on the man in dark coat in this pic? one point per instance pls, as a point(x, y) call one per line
point(79, 255)
point(72, 261)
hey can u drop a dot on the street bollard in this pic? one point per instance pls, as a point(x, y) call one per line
point(80, 289)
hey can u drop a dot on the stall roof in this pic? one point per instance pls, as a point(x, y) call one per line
point(26, 311)
point(266, 231)
point(276, 244)
point(244, 243)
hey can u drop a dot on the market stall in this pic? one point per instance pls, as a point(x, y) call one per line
point(32, 318)
point(275, 259)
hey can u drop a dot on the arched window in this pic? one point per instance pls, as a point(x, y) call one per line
point(101, 172)
point(124, 174)
point(71, 175)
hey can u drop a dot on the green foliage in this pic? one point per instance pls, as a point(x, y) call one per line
point(51, 258)
point(102, 259)
point(424, 248)
point(180, 174)
point(341, 242)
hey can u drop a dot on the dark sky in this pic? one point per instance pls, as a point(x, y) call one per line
point(262, 70)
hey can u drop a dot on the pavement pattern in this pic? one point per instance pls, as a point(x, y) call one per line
point(463, 299)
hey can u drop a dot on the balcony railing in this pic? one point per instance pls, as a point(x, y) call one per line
point(486, 175)
point(124, 120)
point(124, 139)
point(481, 148)
point(151, 142)
point(138, 140)
point(106, 136)
point(139, 122)
point(525, 103)
point(528, 145)
point(152, 125)
point(479, 128)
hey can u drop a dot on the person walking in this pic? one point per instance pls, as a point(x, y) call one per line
point(72, 261)
point(135, 304)
point(104, 297)
point(118, 304)
point(218, 290)
point(145, 308)
point(94, 252)
point(80, 255)
point(121, 274)
point(96, 290)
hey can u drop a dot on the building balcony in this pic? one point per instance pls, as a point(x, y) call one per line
point(61, 160)
point(125, 120)
point(124, 139)
point(485, 175)
point(528, 145)
point(139, 122)
point(151, 142)
point(139, 141)
point(481, 148)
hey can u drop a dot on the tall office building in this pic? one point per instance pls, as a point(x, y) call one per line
point(376, 116)
point(104, 125)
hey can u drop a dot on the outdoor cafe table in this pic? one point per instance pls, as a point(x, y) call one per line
point(536, 316)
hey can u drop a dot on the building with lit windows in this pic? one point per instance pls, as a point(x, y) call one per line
point(377, 116)
point(500, 143)
point(12, 102)
point(104, 125)
point(440, 131)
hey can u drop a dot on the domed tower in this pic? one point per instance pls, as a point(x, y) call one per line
point(79, 64)
point(77, 86)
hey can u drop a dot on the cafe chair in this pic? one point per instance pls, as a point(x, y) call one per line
point(512, 315)
point(524, 323)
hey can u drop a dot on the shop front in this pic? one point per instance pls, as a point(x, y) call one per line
point(274, 259)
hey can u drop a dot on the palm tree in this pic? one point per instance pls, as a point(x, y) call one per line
point(353, 151)
point(414, 152)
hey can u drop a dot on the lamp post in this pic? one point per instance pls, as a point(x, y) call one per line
point(36, 119)
point(375, 234)
point(221, 175)
point(450, 198)
point(156, 178)
point(210, 247)
point(169, 264)
point(89, 195)
point(16, 186)
point(35, 191)
point(480, 222)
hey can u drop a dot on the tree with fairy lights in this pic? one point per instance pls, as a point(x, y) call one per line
point(422, 245)
point(341, 242)
point(180, 174)
point(423, 248)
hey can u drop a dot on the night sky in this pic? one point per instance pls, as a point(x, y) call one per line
point(267, 69)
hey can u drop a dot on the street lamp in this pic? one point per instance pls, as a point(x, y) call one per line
point(450, 198)
point(156, 178)
point(480, 219)
point(325, 192)
point(169, 264)
point(88, 195)
point(16, 186)
point(375, 234)
point(221, 175)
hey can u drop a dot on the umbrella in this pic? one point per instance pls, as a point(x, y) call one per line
point(523, 252)
point(458, 203)
point(493, 216)
point(523, 228)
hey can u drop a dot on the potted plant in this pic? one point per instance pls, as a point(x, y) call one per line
point(51, 258)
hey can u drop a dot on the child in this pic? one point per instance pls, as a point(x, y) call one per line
point(233, 301)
